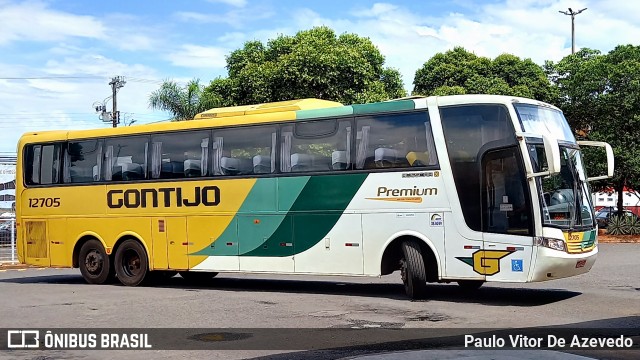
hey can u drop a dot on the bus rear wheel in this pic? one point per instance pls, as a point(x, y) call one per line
point(131, 263)
point(412, 270)
point(94, 263)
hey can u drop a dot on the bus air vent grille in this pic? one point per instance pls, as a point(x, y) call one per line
point(36, 236)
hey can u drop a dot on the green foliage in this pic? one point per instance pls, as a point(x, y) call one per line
point(634, 225)
point(183, 102)
point(600, 96)
point(618, 225)
point(458, 71)
point(623, 225)
point(312, 64)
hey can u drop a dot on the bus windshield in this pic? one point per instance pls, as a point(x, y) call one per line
point(564, 197)
point(544, 120)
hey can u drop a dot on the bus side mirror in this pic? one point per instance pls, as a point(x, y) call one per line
point(552, 152)
point(610, 160)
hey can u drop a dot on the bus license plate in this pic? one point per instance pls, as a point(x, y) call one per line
point(580, 263)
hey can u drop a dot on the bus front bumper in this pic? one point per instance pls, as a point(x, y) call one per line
point(553, 264)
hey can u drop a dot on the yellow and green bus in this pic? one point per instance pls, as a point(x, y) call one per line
point(466, 189)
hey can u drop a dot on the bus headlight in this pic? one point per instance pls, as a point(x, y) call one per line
point(555, 244)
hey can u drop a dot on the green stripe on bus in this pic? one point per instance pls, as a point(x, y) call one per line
point(326, 112)
point(242, 229)
point(386, 106)
point(327, 197)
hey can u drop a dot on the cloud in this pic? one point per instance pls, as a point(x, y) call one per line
point(526, 28)
point(63, 95)
point(195, 56)
point(236, 18)
point(33, 21)
point(236, 3)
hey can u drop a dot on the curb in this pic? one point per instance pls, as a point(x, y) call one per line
point(14, 266)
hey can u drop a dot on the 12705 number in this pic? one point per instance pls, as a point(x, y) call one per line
point(44, 202)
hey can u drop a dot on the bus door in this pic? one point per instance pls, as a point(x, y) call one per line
point(170, 243)
point(507, 221)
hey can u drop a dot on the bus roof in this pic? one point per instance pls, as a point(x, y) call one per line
point(280, 106)
point(268, 112)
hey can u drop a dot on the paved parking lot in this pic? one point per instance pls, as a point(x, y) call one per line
point(608, 298)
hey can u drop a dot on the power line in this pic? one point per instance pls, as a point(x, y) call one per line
point(37, 116)
point(51, 77)
point(55, 77)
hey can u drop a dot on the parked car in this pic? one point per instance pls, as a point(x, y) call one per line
point(603, 215)
point(5, 232)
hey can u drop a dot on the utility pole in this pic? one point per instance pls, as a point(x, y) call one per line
point(573, 26)
point(116, 83)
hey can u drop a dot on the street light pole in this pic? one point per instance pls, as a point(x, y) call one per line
point(573, 26)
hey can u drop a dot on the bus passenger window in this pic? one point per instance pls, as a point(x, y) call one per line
point(43, 164)
point(125, 158)
point(180, 154)
point(244, 151)
point(395, 141)
point(82, 161)
point(316, 146)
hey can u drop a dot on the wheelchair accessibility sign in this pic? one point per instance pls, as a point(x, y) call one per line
point(516, 265)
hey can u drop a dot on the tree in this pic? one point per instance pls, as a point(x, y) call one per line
point(600, 95)
point(183, 103)
point(458, 71)
point(312, 64)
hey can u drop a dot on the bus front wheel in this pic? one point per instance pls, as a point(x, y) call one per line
point(131, 263)
point(412, 270)
point(94, 263)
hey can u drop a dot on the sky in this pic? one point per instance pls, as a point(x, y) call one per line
point(58, 57)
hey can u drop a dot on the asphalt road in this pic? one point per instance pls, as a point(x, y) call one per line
point(608, 298)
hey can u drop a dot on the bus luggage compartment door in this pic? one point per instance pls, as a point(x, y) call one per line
point(173, 246)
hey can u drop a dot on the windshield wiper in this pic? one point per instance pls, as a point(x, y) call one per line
point(577, 192)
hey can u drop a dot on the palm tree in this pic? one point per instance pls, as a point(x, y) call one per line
point(183, 103)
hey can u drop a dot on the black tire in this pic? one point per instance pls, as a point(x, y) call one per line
point(197, 276)
point(131, 263)
point(470, 285)
point(412, 270)
point(94, 263)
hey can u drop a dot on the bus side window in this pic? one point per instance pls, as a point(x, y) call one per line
point(323, 145)
point(82, 161)
point(125, 158)
point(43, 164)
point(395, 141)
point(34, 154)
point(244, 151)
point(467, 128)
point(180, 154)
